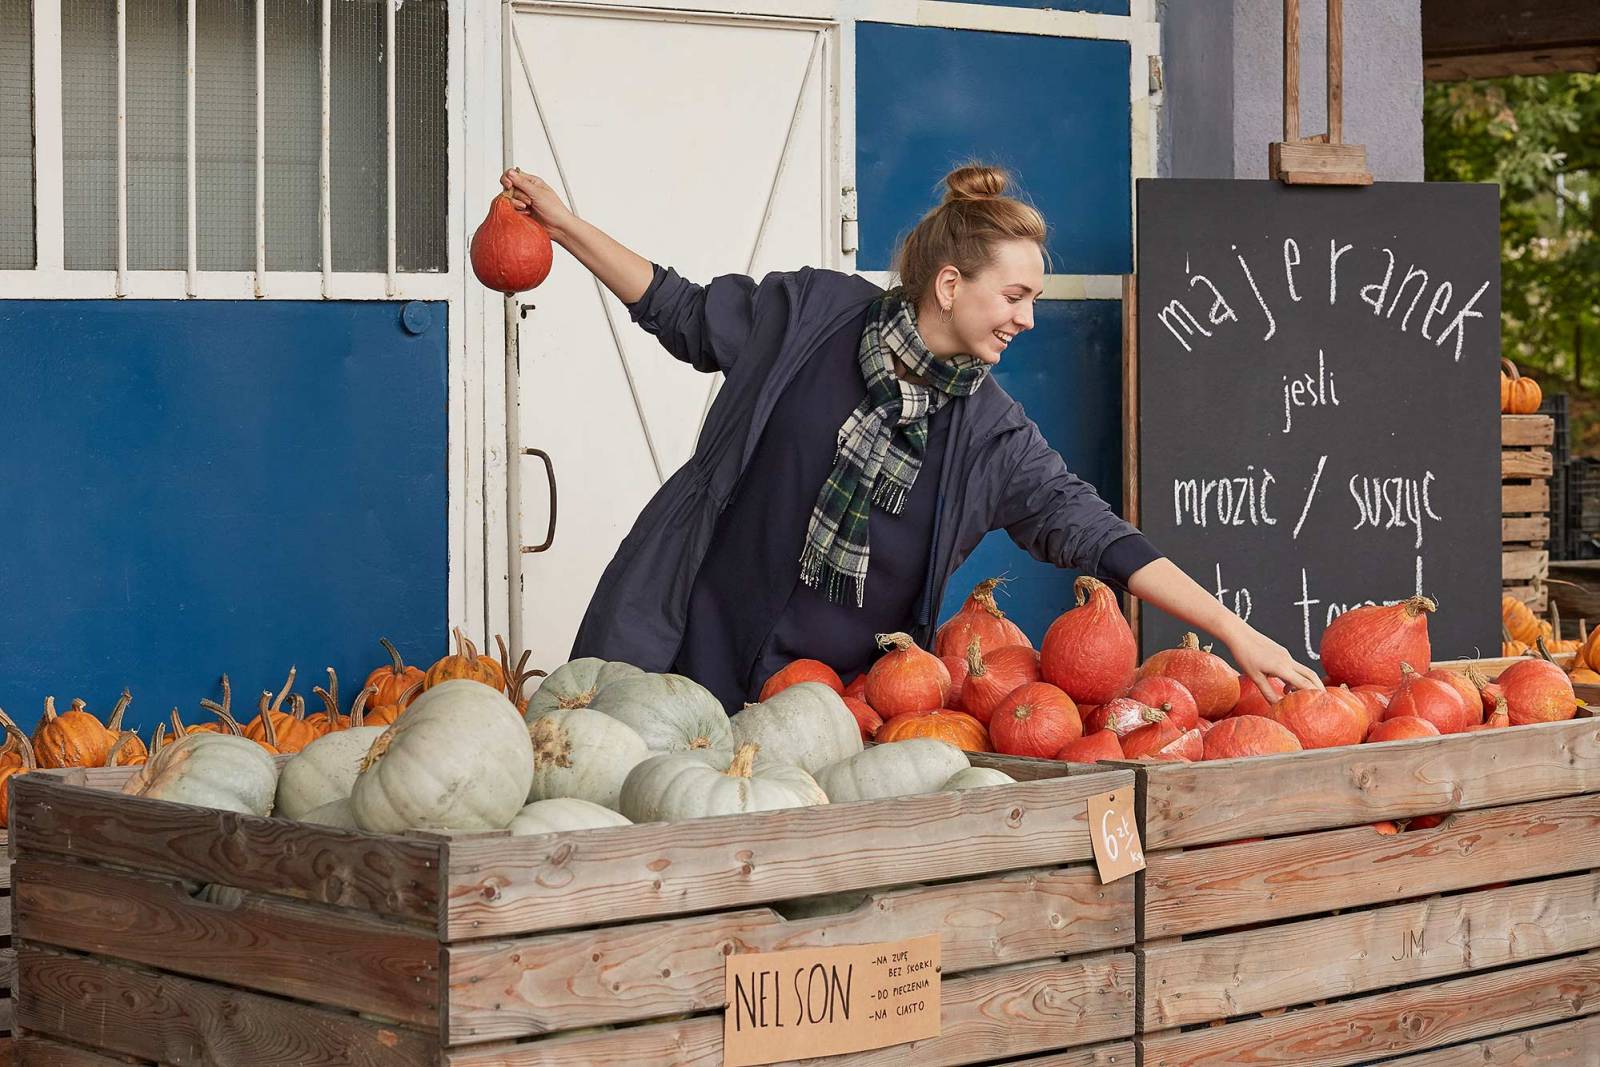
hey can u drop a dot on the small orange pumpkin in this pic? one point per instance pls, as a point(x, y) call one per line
point(466, 663)
point(955, 727)
point(1518, 619)
point(330, 719)
point(280, 730)
point(392, 678)
point(76, 738)
point(1518, 395)
point(18, 759)
point(386, 714)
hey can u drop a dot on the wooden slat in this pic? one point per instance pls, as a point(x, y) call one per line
point(1535, 528)
point(1526, 463)
point(1492, 666)
point(391, 876)
point(517, 885)
point(1523, 565)
point(178, 1021)
point(1234, 885)
point(36, 1050)
point(1199, 803)
point(1391, 1024)
point(1332, 956)
point(507, 989)
point(1117, 1055)
point(1527, 430)
point(1536, 596)
point(330, 956)
point(1574, 1044)
point(987, 1015)
point(8, 968)
point(1524, 499)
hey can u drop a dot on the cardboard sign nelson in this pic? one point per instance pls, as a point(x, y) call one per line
point(1317, 415)
point(827, 1001)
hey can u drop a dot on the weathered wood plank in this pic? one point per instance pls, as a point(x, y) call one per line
point(1533, 528)
point(1536, 596)
point(1332, 956)
point(1525, 499)
point(1526, 463)
point(521, 885)
point(507, 989)
point(987, 1015)
point(1200, 803)
point(8, 968)
point(1235, 885)
point(397, 877)
point(1391, 1024)
point(1527, 430)
point(1574, 1044)
point(36, 1050)
point(1524, 564)
point(1117, 1055)
point(338, 957)
point(177, 1021)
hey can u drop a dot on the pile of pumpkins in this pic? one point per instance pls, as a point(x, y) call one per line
point(598, 744)
point(1524, 633)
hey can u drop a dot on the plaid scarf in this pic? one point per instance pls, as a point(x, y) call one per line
point(880, 446)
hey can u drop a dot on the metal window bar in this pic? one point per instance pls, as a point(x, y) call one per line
point(389, 64)
point(261, 145)
point(325, 179)
point(122, 148)
point(191, 209)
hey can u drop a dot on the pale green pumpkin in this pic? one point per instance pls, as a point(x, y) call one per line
point(672, 713)
point(582, 753)
point(916, 765)
point(558, 816)
point(978, 778)
point(323, 771)
point(575, 684)
point(694, 785)
point(209, 771)
point(806, 725)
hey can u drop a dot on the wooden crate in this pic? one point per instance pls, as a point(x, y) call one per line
point(1525, 469)
point(1277, 926)
point(600, 946)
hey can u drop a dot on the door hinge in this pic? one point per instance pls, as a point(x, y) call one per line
point(848, 234)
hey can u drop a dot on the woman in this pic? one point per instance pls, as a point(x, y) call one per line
point(856, 454)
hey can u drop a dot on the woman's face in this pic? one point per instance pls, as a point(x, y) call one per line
point(989, 310)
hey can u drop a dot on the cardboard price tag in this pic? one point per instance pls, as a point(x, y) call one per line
point(826, 1001)
point(1115, 834)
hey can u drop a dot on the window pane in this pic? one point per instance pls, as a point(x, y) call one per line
point(157, 216)
point(225, 133)
point(16, 135)
point(294, 134)
point(89, 132)
point(359, 146)
point(422, 48)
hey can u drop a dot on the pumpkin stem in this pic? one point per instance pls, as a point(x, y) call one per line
point(700, 742)
point(744, 760)
point(1502, 712)
point(1511, 368)
point(284, 692)
point(49, 709)
point(297, 705)
point(1085, 587)
point(358, 710)
point(1478, 680)
point(1406, 670)
point(115, 722)
point(1544, 651)
point(230, 725)
point(116, 749)
point(1190, 641)
point(16, 738)
point(1417, 605)
point(227, 695)
point(333, 692)
point(330, 704)
point(177, 724)
point(269, 729)
point(399, 666)
point(158, 740)
point(983, 595)
point(409, 695)
point(897, 642)
point(976, 668)
point(380, 746)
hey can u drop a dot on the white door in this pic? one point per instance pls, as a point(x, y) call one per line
point(702, 142)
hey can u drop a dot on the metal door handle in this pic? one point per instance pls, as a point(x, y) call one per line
point(550, 472)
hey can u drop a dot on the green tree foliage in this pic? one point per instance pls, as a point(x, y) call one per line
point(1539, 138)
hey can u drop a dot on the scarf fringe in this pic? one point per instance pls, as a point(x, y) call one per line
point(890, 496)
point(816, 572)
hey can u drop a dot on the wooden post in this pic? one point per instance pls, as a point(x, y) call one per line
point(1323, 159)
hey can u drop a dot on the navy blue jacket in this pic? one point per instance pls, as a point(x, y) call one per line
point(999, 472)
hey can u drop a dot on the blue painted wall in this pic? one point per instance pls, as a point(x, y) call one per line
point(1056, 113)
point(208, 486)
point(1052, 110)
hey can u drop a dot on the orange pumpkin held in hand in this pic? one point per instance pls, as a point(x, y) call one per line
point(511, 249)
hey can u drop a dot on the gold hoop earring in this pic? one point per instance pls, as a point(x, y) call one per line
point(947, 310)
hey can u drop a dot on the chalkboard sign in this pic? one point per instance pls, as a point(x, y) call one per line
point(1318, 421)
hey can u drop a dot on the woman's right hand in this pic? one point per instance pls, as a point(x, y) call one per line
point(532, 195)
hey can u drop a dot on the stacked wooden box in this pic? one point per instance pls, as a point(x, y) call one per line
point(1525, 470)
point(601, 946)
point(1279, 925)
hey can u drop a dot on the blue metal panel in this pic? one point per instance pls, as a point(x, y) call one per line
point(1053, 110)
point(1067, 372)
point(1098, 7)
point(198, 487)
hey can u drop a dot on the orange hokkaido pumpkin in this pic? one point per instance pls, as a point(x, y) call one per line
point(992, 675)
point(802, 670)
point(511, 249)
point(1036, 719)
point(954, 727)
point(1089, 652)
point(20, 760)
point(906, 678)
point(980, 617)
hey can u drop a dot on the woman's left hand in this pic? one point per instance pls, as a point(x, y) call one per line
point(1260, 657)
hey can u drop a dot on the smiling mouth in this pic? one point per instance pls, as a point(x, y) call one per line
point(1003, 338)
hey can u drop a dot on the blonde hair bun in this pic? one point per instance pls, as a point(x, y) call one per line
point(975, 181)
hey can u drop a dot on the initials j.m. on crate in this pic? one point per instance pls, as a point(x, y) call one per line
point(1280, 925)
point(1525, 471)
point(174, 934)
